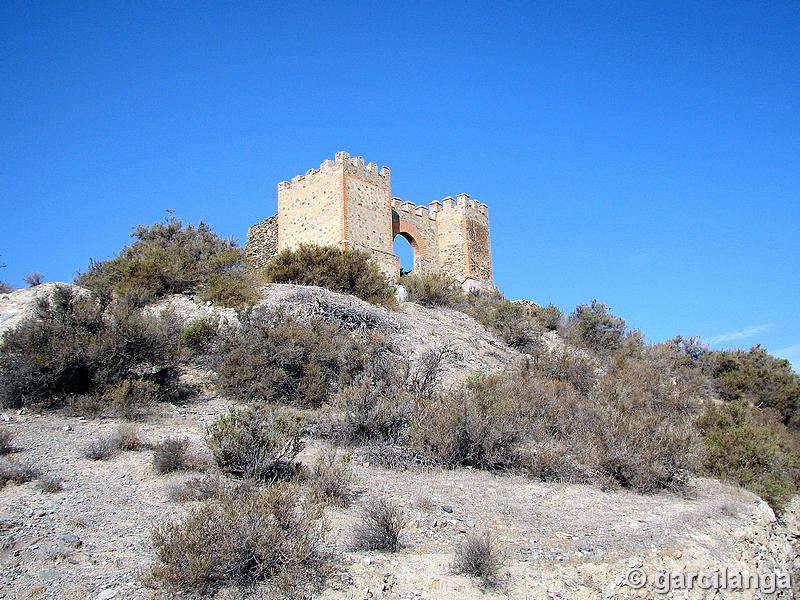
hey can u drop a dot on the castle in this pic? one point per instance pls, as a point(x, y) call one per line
point(349, 204)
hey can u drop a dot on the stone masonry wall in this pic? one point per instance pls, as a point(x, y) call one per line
point(349, 204)
point(262, 243)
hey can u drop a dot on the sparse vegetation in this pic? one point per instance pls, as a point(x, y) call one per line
point(479, 555)
point(50, 483)
point(196, 488)
point(170, 455)
point(380, 526)
point(255, 444)
point(270, 535)
point(347, 271)
point(6, 440)
point(330, 479)
point(103, 448)
point(129, 438)
point(75, 345)
point(6, 288)
point(17, 471)
point(432, 289)
point(34, 278)
point(275, 358)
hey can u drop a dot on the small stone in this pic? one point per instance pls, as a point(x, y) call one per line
point(46, 574)
point(447, 508)
point(367, 561)
point(66, 428)
point(631, 564)
point(209, 303)
point(70, 539)
point(107, 594)
point(585, 548)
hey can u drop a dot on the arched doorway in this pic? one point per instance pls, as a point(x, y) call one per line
point(404, 250)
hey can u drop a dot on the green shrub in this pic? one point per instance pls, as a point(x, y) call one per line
point(347, 271)
point(433, 289)
point(200, 333)
point(269, 535)
point(761, 379)
point(512, 322)
point(594, 327)
point(746, 446)
point(255, 444)
point(165, 258)
point(380, 526)
point(275, 358)
point(231, 288)
point(74, 345)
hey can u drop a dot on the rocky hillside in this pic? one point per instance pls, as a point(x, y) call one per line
point(92, 539)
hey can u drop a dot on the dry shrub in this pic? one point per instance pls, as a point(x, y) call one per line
point(469, 426)
point(433, 289)
point(256, 444)
point(103, 448)
point(368, 412)
point(50, 483)
point(6, 440)
point(170, 455)
point(330, 479)
point(133, 399)
point(240, 540)
point(195, 488)
point(479, 555)
point(17, 471)
point(380, 526)
point(130, 438)
point(276, 358)
point(74, 345)
point(347, 271)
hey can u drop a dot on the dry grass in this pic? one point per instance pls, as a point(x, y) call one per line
point(380, 526)
point(479, 555)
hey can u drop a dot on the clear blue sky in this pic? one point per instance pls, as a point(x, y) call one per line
point(646, 154)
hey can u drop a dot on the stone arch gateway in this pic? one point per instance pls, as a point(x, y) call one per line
point(349, 204)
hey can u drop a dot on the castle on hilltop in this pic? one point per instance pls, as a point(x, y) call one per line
point(349, 204)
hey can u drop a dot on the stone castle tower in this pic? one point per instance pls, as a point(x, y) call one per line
point(349, 204)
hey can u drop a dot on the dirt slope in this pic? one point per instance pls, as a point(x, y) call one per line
point(562, 541)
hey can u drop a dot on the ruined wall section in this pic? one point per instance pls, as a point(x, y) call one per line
point(262, 243)
point(310, 208)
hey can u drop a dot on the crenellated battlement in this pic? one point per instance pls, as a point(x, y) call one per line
point(348, 203)
point(343, 162)
point(460, 202)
